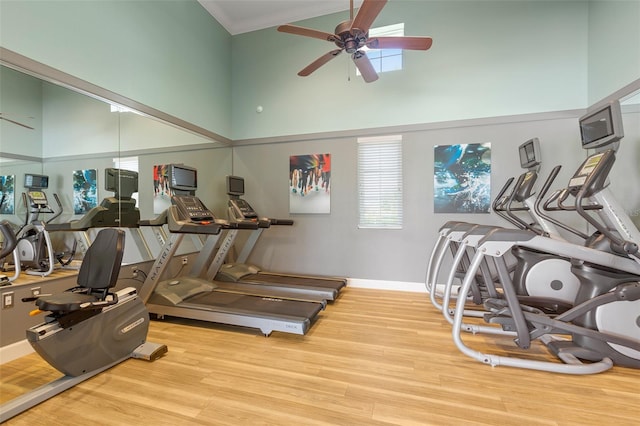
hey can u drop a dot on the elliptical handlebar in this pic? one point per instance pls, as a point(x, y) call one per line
point(547, 206)
point(499, 202)
point(509, 208)
point(9, 239)
point(594, 183)
point(60, 209)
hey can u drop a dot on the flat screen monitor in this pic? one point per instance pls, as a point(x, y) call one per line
point(602, 126)
point(182, 178)
point(235, 185)
point(36, 181)
point(123, 182)
point(530, 153)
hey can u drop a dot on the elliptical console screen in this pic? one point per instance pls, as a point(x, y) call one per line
point(587, 168)
point(601, 127)
point(530, 153)
point(36, 181)
point(122, 182)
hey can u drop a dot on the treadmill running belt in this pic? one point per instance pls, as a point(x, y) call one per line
point(254, 305)
point(293, 280)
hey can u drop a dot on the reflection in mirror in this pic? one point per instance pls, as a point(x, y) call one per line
point(12, 172)
point(626, 174)
point(630, 99)
point(74, 137)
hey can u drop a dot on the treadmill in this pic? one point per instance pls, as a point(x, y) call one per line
point(240, 211)
point(197, 298)
point(117, 211)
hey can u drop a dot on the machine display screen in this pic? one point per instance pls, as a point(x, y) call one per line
point(235, 185)
point(529, 153)
point(36, 181)
point(601, 127)
point(124, 182)
point(183, 177)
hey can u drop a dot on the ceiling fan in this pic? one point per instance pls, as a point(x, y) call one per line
point(352, 35)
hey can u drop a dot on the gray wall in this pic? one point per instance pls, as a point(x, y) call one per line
point(333, 244)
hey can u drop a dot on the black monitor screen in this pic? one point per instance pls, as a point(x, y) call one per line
point(36, 181)
point(530, 153)
point(235, 185)
point(601, 127)
point(183, 178)
point(122, 182)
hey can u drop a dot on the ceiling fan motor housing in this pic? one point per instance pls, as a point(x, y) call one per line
point(351, 39)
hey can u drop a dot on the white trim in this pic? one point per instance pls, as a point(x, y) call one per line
point(387, 285)
point(14, 351)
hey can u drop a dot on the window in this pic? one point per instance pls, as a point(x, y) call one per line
point(380, 182)
point(384, 60)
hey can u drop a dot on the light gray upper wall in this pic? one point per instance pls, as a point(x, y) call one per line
point(614, 46)
point(21, 101)
point(170, 55)
point(489, 58)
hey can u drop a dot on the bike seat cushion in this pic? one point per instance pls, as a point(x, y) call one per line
point(64, 302)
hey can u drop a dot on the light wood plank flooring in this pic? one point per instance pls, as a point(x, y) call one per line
point(373, 358)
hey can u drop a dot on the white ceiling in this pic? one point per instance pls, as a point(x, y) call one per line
point(241, 16)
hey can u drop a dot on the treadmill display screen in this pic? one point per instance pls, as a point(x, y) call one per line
point(36, 181)
point(235, 185)
point(183, 178)
point(601, 127)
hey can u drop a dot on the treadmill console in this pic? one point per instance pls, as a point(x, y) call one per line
point(191, 208)
point(242, 210)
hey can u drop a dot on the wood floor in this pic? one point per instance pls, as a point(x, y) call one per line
point(373, 358)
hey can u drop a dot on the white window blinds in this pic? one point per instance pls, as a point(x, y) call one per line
point(380, 182)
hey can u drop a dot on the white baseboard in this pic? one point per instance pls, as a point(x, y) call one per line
point(387, 285)
point(14, 351)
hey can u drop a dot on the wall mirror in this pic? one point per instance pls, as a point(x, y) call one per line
point(52, 128)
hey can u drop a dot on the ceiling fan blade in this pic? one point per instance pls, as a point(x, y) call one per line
point(319, 62)
point(16, 122)
point(307, 32)
point(363, 63)
point(410, 43)
point(367, 13)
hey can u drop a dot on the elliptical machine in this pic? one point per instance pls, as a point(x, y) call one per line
point(9, 243)
point(35, 250)
point(602, 327)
